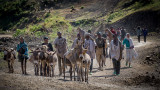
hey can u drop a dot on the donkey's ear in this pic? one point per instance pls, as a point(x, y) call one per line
point(12, 49)
point(5, 49)
point(54, 53)
point(48, 53)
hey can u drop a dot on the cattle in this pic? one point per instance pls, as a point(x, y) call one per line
point(35, 59)
point(10, 57)
point(51, 62)
point(43, 57)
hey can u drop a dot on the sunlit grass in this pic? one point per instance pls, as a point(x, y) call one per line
point(136, 7)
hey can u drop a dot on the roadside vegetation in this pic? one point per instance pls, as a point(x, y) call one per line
point(128, 7)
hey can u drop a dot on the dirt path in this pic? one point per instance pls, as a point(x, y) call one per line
point(4, 35)
point(98, 80)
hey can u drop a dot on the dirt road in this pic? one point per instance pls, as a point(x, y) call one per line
point(98, 80)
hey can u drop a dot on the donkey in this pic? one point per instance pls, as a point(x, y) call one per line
point(35, 58)
point(10, 57)
point(43, 57)
point(86, 64)
point(70, 60)
point(51, 62)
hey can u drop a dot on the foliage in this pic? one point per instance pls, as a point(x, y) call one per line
point(131, 6)
point(82, 7)
point(19, 32)
point(1, 55)
point(47, 15)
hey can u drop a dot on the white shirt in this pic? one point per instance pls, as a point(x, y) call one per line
point(91, 47)
point(114, 50)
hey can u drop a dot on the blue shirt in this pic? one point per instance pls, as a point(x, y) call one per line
point(126, 42)
point(23, 45)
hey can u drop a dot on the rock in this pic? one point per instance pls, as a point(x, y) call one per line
point(153, 77)
point(147, 73)
point(147, 58)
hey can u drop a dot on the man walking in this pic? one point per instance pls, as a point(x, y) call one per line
point(139, 33)
point(123, 33)
point(145, 32)
point(90, 44)
point(50, 48)
point(100, 50)
point(61, 48)
point(76, 40)
point(116, 54)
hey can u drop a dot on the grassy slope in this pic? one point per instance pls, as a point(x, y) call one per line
point(120, 13)
point(56, 19)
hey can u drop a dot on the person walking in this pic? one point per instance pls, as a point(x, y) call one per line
point(106, 44)
point(61, 48)
point(76, 40)
point(139, 33)
point(100, 50)
point(90, 45)
point(129, 49)
point(116, 54)
point(50, 48)
point(123, 33)
point(112, 30)
point(145, 32)
point(22, 50)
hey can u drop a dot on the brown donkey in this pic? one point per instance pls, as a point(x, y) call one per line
point(10, 56)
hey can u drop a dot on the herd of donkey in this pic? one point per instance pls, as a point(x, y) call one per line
point(44, 61)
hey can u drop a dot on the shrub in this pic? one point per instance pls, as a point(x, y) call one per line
point(82, 7)
point(47, 15)
point(1, 55)
point(19, 32)
point(34, 28)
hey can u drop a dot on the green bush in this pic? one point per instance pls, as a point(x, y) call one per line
point(114, 15)
point(72, 7)
point(34, 28)
point(82, 7)
point(39, 34)
point(20, 32)
point(1, 55)
point(47, 15)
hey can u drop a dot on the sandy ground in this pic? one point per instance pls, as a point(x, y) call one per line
point(127, 80)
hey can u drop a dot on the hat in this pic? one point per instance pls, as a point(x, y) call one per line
point(99, 33)
point(45, 38)
point(87, 34)
point(89, 31)
point(59, 33)
point(104, 35)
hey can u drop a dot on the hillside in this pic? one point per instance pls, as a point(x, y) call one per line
point(26, 17)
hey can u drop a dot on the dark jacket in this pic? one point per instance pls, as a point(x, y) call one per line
point(145, 31)
point(50, 48)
